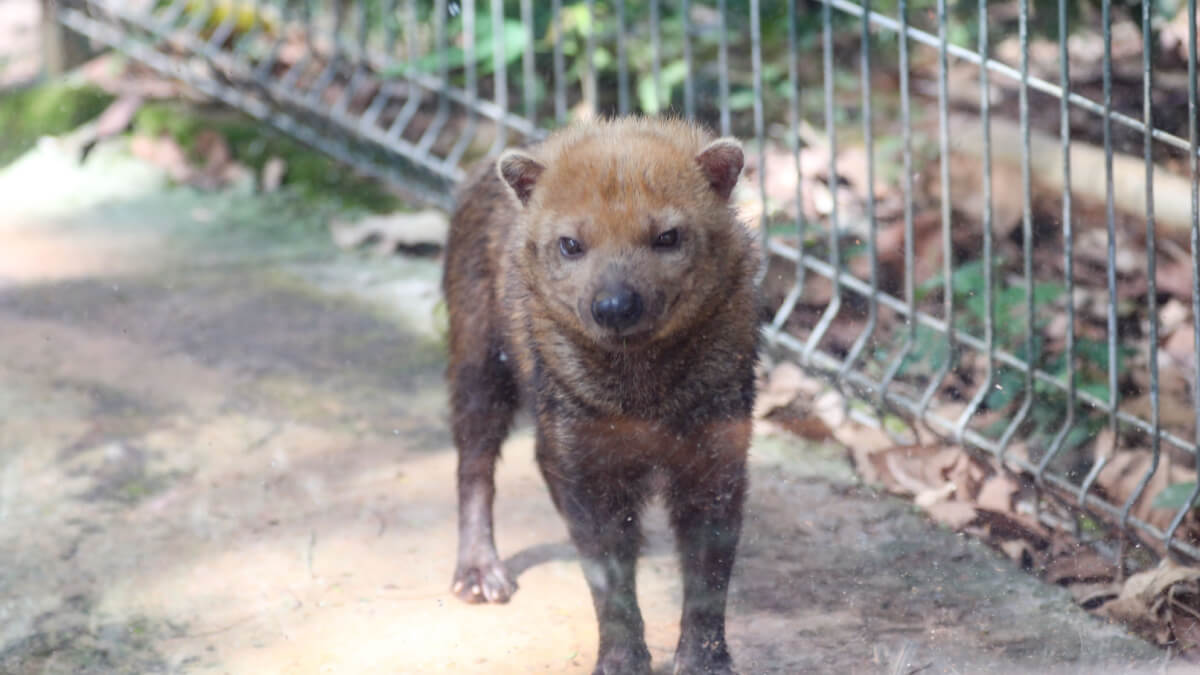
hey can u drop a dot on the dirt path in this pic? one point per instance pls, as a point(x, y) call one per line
point(223, 454)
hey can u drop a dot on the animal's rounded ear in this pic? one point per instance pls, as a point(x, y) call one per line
point(520, 172)
point(721, 163)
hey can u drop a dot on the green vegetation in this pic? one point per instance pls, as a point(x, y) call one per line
point(311, 175)
point(576, 24)
point(1174, 496)
point(1010, 324)
point(58, 107)
point(46, 110)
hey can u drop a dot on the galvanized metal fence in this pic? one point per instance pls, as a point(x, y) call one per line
point(412, 91)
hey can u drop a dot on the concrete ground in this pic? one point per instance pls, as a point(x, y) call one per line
point(224, 449)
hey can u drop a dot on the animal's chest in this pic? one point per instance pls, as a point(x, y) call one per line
point(672, 392)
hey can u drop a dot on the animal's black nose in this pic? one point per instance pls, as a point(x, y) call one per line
point(617, 307)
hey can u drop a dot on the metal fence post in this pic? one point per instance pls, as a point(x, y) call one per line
point(62, 49)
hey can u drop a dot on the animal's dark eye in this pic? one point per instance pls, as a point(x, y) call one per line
point(570, 248)
point(668, 239)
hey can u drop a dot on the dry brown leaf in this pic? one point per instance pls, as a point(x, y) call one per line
point(949, 410)
point(955, 515)
point(966, 190)
point(219, 169)
point(814, 161)
point(784, 384)
point(861, 439)
point(830, 407)
point(868, 462)
point(818, 290)
point(927, 244)
point(1043, 55)
point(1016, 452)
point(890, 242)
point(852, 168)
point(1175, 409)
point(966, 474)
point(212, 147)
point(1121, 476)
point(1080, 565)
point(1014, 525)
point(1161, 604)
point(1181, 348)
point(293, 49)
point(781, 176)
point(849, 206)
point(1186, 627)
point(163, 152)
point(786, 400)
point(1105, 444)
point(1092, 246)
point(932, 496)
point(1091, 596)
point(273, 171)
point(1172, 315)
point(1019, 551)
point(903, 472)
point(1056, 328)
point(118, 115)
point(997, 493)
point(1173, 35)
point(908, 469)
point(804, 426)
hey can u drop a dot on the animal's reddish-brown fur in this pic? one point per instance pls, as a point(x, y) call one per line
point(602, 278)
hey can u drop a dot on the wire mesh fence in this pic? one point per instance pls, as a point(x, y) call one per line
point(1023, 322)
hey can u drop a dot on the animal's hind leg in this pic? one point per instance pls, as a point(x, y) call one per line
point(483, 401)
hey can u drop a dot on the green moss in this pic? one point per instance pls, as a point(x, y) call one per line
point(48, 109)
point(441, 322)
point(311, 175)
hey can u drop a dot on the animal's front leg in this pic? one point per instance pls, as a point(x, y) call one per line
point(708, 487)
point(483, 398)
point(601, 503)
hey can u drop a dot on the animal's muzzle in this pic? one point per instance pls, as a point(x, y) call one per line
point(617, 307)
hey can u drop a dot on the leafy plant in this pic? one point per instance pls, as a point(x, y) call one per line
point(1174, 496)
point(1011, 321)
point(46, 110)
point(513, 40)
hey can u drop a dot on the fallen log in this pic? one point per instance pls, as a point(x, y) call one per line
point(1172, 192)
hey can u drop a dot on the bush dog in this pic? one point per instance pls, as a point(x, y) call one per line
point(602, 278)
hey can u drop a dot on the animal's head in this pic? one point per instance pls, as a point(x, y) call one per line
point(625, 226)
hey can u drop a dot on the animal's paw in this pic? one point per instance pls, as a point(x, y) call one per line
point(626, 659)
point(703, 669)
point(483, 582)
point(703, 660)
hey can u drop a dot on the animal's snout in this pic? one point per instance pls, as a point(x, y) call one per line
point(617, 307)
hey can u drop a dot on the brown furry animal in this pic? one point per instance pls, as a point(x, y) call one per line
point(602, 277)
